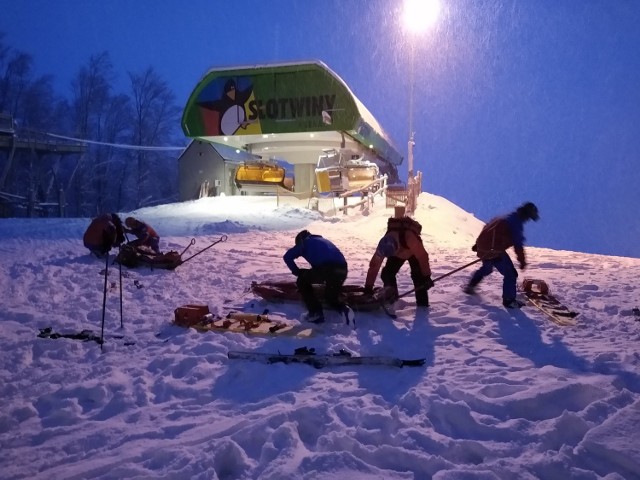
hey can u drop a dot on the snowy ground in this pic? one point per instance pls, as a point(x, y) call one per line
point(504, 394)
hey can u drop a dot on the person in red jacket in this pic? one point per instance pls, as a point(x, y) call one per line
point(491, 246)
point(104, 232)
point(146, 235)
point(401, 243)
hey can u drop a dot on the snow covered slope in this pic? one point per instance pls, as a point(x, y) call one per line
point(503, 394)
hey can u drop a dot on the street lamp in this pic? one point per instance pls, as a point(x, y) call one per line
point(418, 16)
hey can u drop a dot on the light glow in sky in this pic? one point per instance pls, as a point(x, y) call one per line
point(419, 15)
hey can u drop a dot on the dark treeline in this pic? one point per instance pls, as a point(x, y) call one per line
point(37, 169)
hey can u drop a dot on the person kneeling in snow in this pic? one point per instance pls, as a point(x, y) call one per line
point(400, 243)
point(146, 235)
point(104, 232)
point(328, 266)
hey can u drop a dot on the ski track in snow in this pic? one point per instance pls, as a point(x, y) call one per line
point(504, 394)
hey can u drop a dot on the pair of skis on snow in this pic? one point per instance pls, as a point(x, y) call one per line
point(308, 356)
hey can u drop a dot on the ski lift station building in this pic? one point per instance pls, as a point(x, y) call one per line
point(254, 116)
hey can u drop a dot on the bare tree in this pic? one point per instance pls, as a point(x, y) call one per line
point(105, 177)
point(90, 103)
point(15, 68)
point(155, 121)
point(115, 162)
point(32, 103)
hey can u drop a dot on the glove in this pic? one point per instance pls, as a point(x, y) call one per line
point(474, 248)
point(368, 290)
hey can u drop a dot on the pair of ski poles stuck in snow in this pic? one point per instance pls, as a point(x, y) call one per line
point(223, 238)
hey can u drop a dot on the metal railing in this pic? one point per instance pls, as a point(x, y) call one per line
point(367, 192)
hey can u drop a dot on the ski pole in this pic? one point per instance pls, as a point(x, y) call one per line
point(104, 299)
point(120, 271)
point(442, 276)
point(223, 238)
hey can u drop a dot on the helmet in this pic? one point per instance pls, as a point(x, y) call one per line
point(300, 237)
point(387, 246)
point(130, 222)
point(528, 211)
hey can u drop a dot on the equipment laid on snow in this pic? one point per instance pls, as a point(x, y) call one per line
point(352, 295)
point(537, 292)
point(200, 318)
point(309, 357)
point(132, 257)
point(84, 335)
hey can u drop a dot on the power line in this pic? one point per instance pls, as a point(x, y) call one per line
point(115, 145)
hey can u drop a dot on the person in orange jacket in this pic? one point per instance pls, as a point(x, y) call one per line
point(401, 243)
point(146, 235)
point(104, 232)
point(491, 246)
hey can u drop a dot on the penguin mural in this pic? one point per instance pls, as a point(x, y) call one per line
point(226, 115)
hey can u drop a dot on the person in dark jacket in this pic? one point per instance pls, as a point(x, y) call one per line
point(104, 232)
point(328, 266)
point(402, 242)
point(491, 246)
point(146, 236)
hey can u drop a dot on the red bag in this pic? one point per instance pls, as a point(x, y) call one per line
point(188, 315)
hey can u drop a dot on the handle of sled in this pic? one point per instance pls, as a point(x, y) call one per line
point(191, 243)
point(442, 276)
point(223, 238)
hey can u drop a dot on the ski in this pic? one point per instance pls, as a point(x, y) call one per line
point(309, 357)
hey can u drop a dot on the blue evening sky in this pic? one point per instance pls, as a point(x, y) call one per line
point(514, 99)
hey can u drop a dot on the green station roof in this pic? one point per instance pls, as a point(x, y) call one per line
point(285, 106)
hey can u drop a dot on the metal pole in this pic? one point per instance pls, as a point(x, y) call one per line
point(411, 142)
point(104, 299)
point(120, 271)
point(443, 276)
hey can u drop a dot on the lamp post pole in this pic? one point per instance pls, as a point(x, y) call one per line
point(411, 132)
point(418, 16)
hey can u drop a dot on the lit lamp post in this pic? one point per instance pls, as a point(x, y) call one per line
point(418, 16)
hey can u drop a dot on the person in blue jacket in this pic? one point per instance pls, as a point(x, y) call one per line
point(328, 266)
point(491, 246)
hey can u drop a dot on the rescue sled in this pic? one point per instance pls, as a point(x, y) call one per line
point(139, 256)
point(353, 295)
point(132, 257)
